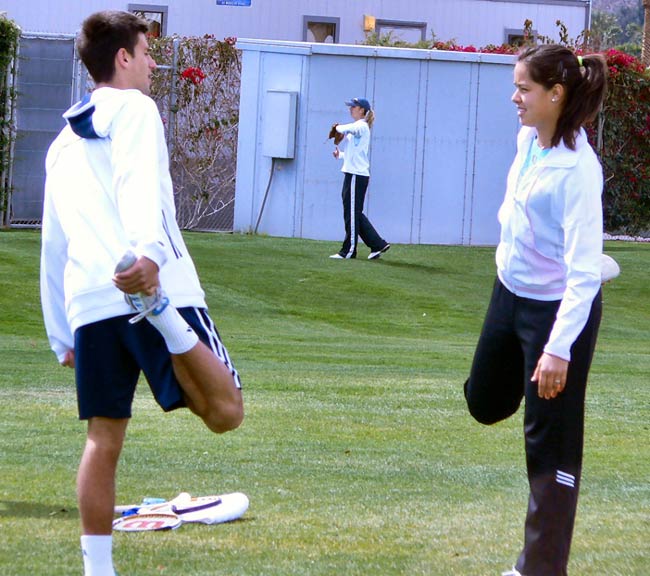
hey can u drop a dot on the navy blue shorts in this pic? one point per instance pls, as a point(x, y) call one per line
point(110, 354)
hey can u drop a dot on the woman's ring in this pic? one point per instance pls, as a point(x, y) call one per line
point(558, 381)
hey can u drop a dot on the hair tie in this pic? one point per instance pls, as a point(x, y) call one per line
point(580, 61)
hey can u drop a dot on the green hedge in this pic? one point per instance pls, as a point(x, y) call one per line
point(625, 152)
point(9, 35)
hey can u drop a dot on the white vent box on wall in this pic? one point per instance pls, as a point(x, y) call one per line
point(279, 124)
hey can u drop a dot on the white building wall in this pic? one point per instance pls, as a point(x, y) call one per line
point(441, 146)
point(477, 22)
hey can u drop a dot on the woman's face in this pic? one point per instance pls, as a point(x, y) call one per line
point(357, 112)
point(537, 106)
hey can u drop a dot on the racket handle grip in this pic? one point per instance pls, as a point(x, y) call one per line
point(151, 501)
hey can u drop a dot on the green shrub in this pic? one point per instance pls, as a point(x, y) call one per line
point(9, 34)
point(625, 152)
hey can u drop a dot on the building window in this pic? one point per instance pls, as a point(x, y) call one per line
point(411, 32)
point(320, 29)
point(155, 15)
point(516, 36)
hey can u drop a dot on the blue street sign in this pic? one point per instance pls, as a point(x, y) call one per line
point(233, 2)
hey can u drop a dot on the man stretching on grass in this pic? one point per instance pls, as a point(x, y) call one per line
point(111, 246)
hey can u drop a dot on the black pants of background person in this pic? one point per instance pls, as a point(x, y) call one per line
point(512, 340)
point(357, 224)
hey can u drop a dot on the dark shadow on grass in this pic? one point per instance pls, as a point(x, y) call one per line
point(409, 265)
point(12, 509)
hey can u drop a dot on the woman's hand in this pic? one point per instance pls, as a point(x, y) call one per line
point(336, 153)
point(550, 375)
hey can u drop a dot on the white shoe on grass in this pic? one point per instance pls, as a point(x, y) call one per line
point(377, 253)
point(337, 256)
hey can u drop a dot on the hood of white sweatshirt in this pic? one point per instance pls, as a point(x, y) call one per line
point(93, 115)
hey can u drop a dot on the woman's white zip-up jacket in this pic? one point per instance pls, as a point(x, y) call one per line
point(354, 147)
point(552, 233)
point(108, 190)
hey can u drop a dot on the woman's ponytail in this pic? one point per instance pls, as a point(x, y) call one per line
point(370, 118)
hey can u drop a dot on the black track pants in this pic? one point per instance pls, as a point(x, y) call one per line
point(356, 223)
point(512, 340)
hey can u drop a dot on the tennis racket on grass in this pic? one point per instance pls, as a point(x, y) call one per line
point(147, 522)
point(182, 509)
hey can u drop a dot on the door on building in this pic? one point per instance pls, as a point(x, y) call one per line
point(44, 85)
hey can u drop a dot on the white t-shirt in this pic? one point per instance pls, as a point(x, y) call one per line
point(354, 147)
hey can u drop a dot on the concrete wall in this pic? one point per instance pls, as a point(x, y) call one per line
point(477, 22)
point(440, 149)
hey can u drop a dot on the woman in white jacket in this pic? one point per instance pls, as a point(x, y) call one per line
point(540, 330)
point(353, 149)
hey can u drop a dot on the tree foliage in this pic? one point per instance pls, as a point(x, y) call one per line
point(200, 107)
point(9, 35)
point(625, 153)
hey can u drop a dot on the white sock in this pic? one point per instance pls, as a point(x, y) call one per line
point(178, 334)
point(98, 555)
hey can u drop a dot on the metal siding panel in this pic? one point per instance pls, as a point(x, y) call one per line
point(279, 72)
point(390, 196)
point(38, 98)
point(332, 80)
point(496, 130)
point(244, 218)
point(28, 197)
point(448, 123)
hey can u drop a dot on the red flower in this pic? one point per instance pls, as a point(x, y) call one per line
point(621, 60)
point(193, 74)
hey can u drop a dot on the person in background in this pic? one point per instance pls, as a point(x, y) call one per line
point(540, 329)
point(353, 149)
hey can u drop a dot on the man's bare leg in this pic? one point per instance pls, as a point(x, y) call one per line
point(209, 388)
point(96, 492)
point(96, 475)
point(207, 383)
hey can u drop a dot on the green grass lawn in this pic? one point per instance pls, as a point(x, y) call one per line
point(357, 452)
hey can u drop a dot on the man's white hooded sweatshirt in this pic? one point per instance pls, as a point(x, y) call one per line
point(108, 190)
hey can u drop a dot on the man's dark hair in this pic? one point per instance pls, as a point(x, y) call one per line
point(102, 35)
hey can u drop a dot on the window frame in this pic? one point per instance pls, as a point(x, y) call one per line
point(306, 20)
point(154, 8)
point(508, 32)
point(405, 24)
